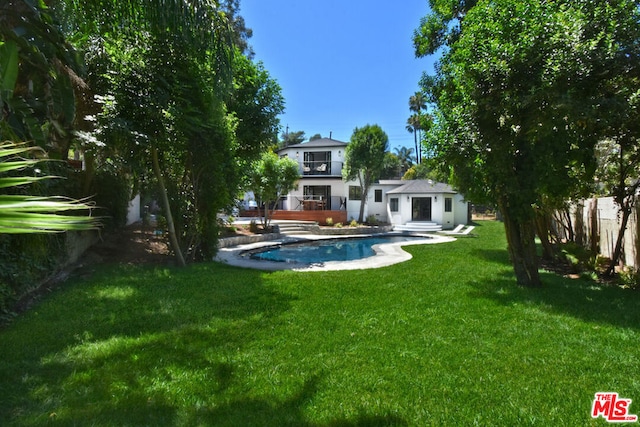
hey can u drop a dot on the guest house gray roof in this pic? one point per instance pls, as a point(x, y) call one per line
point(317, 143)
point(421, 186)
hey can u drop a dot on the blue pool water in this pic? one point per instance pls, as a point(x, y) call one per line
point(319, 251)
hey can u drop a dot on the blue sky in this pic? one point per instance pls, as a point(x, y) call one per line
point(341, 63)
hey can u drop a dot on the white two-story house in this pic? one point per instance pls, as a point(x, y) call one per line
point(320, 164)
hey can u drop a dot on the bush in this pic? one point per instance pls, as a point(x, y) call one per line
point(578, 257)
point(372, 220)
point(329, 221)
point(629, 278)
point(353, 223)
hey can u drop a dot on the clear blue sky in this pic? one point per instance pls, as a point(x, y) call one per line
point(341, 63)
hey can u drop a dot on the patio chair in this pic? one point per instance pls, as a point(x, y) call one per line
point(468, 230)
point(456, 230)
point(322, 168)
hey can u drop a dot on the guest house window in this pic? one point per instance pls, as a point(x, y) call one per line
point(378, 196)
point(448, 204)
point(393, 204)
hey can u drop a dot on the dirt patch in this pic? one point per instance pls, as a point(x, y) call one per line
point(135, 244)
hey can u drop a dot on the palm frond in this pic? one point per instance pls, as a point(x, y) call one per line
point(31, 214)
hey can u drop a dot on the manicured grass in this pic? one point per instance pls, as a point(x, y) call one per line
point(446, 338)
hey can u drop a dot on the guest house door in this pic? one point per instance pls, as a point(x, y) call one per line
point(421, 209)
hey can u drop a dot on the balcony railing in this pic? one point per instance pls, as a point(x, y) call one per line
point(321, 168)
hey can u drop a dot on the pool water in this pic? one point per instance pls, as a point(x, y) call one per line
point(320, 251)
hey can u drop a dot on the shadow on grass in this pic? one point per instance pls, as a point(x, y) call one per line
point(271, 412)
point(581, 298)
point(117, 347)
point(144, 346)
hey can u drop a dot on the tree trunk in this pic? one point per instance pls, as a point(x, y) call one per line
point(173, 238)
point(265, 224)
point(522, 249)
point(415, 140)
point(365, 189)
point(542, 230)
point(615, 258)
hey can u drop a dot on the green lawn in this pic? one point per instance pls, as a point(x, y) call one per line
point(446, 338)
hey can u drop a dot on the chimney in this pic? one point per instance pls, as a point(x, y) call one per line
point(330, 133)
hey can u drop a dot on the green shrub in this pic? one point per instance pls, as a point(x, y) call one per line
point(339, 225)
point(629, 278)
point(329, 221)
point(578, 257)
point(372, 220)
point(353, 223)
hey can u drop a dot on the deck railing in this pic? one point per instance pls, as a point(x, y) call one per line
point(321, 168)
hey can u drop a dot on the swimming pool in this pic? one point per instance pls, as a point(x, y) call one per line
point(327, 250)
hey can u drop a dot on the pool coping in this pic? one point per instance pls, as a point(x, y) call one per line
point(386, 254)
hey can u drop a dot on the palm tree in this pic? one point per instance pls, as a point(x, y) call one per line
point(413, 125)
point(417, 103)
point(405, 155)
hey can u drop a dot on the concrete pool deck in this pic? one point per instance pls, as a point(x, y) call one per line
point(386, 254)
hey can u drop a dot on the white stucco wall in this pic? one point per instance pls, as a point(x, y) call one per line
point(133, 213)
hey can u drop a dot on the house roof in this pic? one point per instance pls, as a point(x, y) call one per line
point(423, 186)
point(317, 143)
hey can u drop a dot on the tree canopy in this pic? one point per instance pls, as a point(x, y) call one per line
point(365, 159)
point(270, 178)
point(518, 96)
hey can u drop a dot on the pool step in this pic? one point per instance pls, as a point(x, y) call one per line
point(292, 228)
point(419, 226)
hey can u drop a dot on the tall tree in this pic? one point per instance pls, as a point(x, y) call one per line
point(413, 124)
point(166, 67)
point(241, 34)
point(417, 103)
point(364, 159)
point(256, 101)
point(518, 98)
